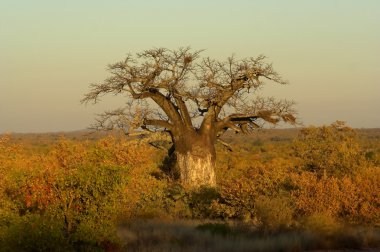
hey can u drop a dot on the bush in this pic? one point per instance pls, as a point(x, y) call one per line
point(274, 213)
point(353, 199)
point(314, 195)
point(34, 232)
point(200, 202)
point(321, 223)
point(79, 206)
point(71, 198)
point(330, 150)
point(238, 193)
point(361, 197)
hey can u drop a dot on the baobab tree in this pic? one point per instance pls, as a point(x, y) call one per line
point(195, 100)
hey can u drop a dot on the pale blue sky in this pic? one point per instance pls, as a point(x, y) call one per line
point(50, 51)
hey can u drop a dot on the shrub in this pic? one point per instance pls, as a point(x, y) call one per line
point(361, 197)
point(314, 195)
point(331, 150)
point(274, 213)
point(351, 198)
point(89, 200)
point(34, 232)
point(79, 206)
point(321, 223)
point(68, 197)
point(238, 193)
point(200, 202)
point(113, 151)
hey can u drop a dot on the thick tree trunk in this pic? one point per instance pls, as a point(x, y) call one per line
point(195, 170)
point(195, 161)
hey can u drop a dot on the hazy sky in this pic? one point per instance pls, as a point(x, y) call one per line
point(50, 51)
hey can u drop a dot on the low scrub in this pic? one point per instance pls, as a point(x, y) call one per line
point(319, 192)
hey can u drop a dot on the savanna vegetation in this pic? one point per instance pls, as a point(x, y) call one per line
point(277, 190)
point(194, 100)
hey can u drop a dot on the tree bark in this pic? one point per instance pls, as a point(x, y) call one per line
point(195, 160)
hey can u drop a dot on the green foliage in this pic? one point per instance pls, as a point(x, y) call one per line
point(200, 202)
point(89, 199)
point(65, 200)
point(34, 232)
point(82, 208)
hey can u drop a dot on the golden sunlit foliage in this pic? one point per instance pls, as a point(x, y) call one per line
point(333, 150)
point(74, 194)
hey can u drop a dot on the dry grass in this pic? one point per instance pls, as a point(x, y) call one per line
point(158, 235)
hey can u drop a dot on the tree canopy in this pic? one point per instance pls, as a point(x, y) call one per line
point(194, 99)
point(190, 92)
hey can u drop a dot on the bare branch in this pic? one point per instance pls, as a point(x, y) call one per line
point(229, 147)
point(266, 109)
point(158, 123)
point(185, 88)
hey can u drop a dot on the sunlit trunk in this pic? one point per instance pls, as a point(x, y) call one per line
point(195, 170)
point(195, 161)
